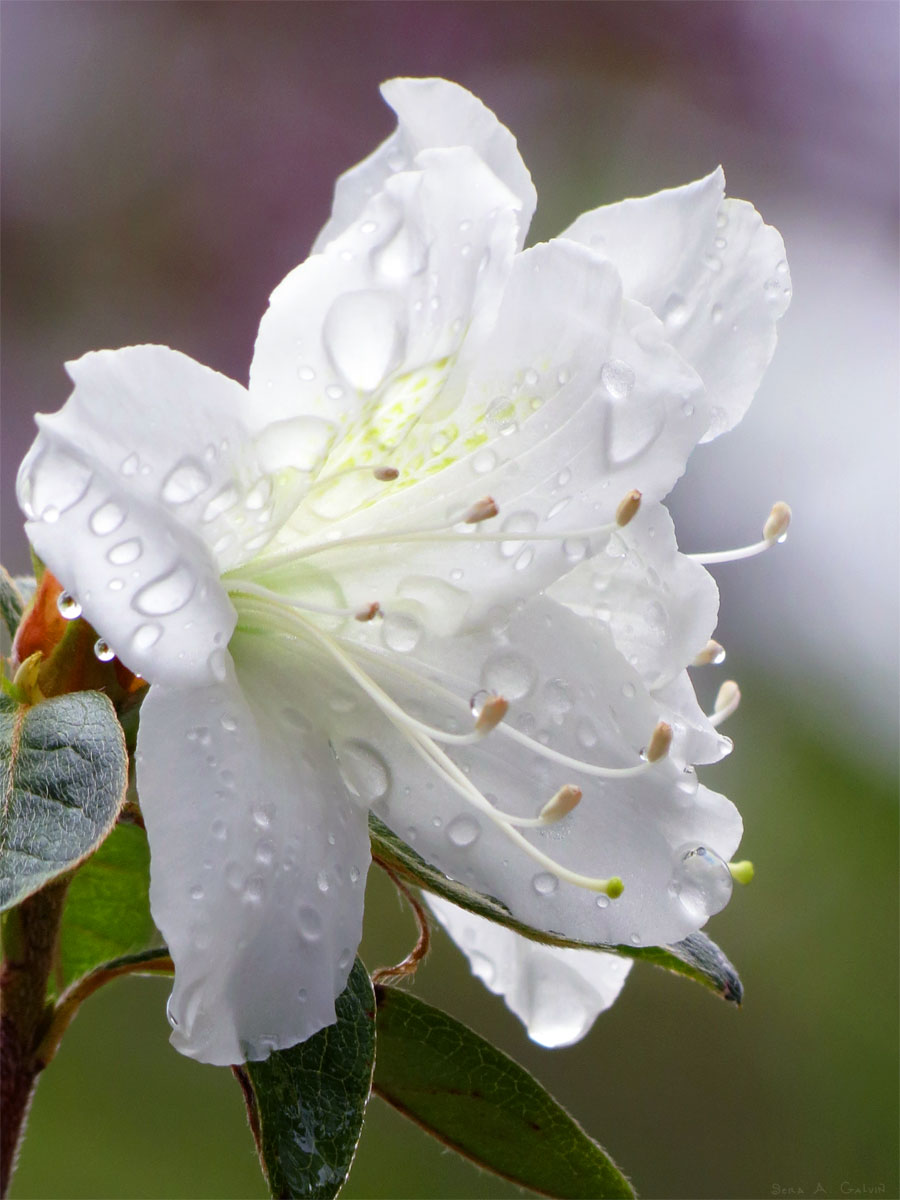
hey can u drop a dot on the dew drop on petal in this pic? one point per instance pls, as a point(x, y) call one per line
point(167, 593)
point(701, 880)
point(463, 831)
point(617, 379)
point(126, 552)
point(146, 636)
point(309, 923)
point(401, 632)
point(218, 665)
point(234, 876)
point(484, 461)
point(69, 608)
point(602, 901)
point(675, 311)
point(129, 466)
point(509, 674)
point(545, 884)
point(185, 482)
point(219, 829)
point(365, 773)
point(364, 336)
point(107, 518)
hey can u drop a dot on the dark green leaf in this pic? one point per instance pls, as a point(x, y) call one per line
point(480, 1103)
point(696, 957)
point(107, 912)
point(63, 772)
point(12, 604)
point(311, 1099)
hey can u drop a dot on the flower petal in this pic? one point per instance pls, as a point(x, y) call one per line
point(570, 691)
point(556, 993)
point(361, 337)
point(259, 857)
point(431, 113)
point(712, 270)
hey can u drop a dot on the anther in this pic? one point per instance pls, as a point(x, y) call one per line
point(567, 798)
point(776, 525)
point(482, 510)
point(385, 474)
point(712, 652)
point(370, 612)
point(659, 742)
point(628, 508)
point(492, 713)
point(742, 872)
point(727, 700)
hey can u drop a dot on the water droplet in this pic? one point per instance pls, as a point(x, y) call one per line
point(463, 831)
point(69, 608)
point(125, 552)
point(345, 959)
point(196, 892)
point(224, 499)
point(130, 465)
point(166, 594)
point(258, 495)
point(364, 336)
point(364, 772)
point(617, 378)
point(305, 373)
point(687, 409)
point(234, 876)
point(219, 829)
point(309, 923)
point(400, 631)
point(575, 549)
point(218, 665)
point(107, 518)
point(103, 650)
point(484, 461)
point(545, 884)
point(303, 995)
point(146, 636)
point(586, 734)
point(354, 874)
point(262, 816)
point(712, 262)
point(635, 939)
point(675, 311)
point(265, 852)
point(509, 674)
point(628, 691)
point(702, 881)
point(602, 901)
point(116, 585)
point(255, 889)
point(185, 482)
point(228, 723)
point(524, 559)
point(716, 314)
point(322, 882)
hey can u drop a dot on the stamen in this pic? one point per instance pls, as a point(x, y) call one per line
point(246, 588)
point(659, 742)
point(712, 652)
point(628, 508)
point(369, 614)
point(727, 700)
point(386, 474)
point(742, 872)
point(492, 713)
point(482, 510)
point(567, 798)
point(383, 473)
point(774, 530)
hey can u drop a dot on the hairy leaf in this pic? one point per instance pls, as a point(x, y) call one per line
point(480, 1103)
point(696, 957)
point(311, 1100)
point(63, 773)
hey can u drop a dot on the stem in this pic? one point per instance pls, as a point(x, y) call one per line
point(410, 964)
point(30, 935)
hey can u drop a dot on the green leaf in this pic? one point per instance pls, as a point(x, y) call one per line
point(479, 1102)
point(63, 773)
point(107, 912)
point(696, 957)
point(311, 1099)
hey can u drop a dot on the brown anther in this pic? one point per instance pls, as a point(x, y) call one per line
point(777, 523)
point(369, 613)
point(660, 742)
point(483, 510)
point(712, 652)
point(567, 798)
point(385, 474)
point(492, 713)
point(628, 507)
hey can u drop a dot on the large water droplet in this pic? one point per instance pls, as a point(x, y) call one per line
point(107, 518)
point(224, 499)
point(545, 884)
point(364, 772)
point(309, 923)
point(69, 608)
point(185, 482)
point(463, 831)
point(401, 632)
point(125, 552)
point(675, 311)
point(617, 378)
point(56, 483)
point(484, 461)
point(166, 594)
point(509, 674)
point(146, 636)
point(103, 650)
point(364, 335)
point(701, 881)
point(299, 442)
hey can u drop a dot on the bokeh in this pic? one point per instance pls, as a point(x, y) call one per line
point(165, 164)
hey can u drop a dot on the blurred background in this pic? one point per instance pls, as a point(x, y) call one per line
point(166, 164)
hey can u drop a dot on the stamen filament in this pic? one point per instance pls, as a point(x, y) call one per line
point(727, 700)
point(774, 530)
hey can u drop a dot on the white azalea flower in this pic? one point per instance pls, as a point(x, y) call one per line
point(310, 574)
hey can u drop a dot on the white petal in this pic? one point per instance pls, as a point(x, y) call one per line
point(258, 858)
point(570, 689)
point(660, 606)
point(361, 337)
point(556, 993)
point(712, 270)
point(431, 113)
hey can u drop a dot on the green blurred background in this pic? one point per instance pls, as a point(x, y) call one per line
point(166, 164)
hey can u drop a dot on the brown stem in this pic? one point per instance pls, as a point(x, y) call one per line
point(410, 964)
point(250, 1104)
point(30, 938)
